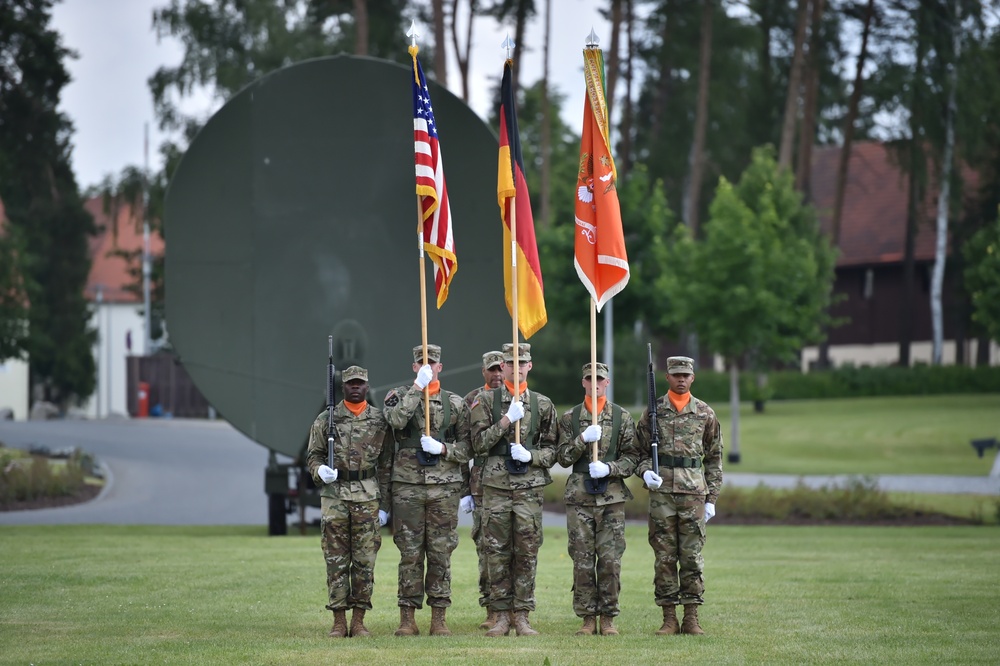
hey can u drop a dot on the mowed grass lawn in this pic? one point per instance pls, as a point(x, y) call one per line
point(230, 595)
point(897, 435)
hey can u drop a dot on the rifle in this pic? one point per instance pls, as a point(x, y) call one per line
point(654, 434)
point(331, 403)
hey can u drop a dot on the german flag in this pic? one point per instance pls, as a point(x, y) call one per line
point(512, 196)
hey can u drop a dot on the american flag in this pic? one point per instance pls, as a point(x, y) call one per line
point(439, 242)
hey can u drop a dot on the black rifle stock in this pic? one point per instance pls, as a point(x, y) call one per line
point(331, 403)
point(654, 432)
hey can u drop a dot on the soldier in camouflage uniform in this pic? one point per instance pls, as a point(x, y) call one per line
point(512, 502)
point(492, 378)
point(595, 499)
point(354, 497)
point(428, 481)
point(682, 497)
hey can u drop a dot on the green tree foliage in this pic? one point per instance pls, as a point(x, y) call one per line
point(42, 203)
point(13, 300)
point(758, 287)
point(982, 277)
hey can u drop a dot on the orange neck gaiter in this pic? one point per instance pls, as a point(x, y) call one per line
point(356, 407)
point(679, 401)
point(510, 387)
point(434, 387)
point(587, 400)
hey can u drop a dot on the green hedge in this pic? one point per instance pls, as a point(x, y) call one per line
point(853, 382)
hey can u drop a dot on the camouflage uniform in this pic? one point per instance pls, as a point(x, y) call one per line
point(425, 498)
point(512, 504)
point(690, 452)
point(476, 489)
point(350, 505)
point(595, 524)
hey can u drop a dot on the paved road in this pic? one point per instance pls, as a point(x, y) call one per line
point(192, 472)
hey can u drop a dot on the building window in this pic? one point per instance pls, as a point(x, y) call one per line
point(868, 284)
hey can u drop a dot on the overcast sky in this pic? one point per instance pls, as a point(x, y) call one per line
point(109, 101)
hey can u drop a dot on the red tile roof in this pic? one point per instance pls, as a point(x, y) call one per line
point(107, 271)
point(873, 223)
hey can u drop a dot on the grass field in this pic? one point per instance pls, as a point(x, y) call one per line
point(908, 435)
point(194, 595)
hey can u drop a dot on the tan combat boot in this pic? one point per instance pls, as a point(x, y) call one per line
point(521, 624)
point(690, 623)
point(502, 625)
point(608, 626)
point(589, 627)
point(407, 624)
point(339, 629)
point(491, 619)
point(438, 626)
point(670, 625)
point(358, 628)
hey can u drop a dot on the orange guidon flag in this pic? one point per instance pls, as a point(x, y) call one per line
point(600, 258)
point(512, 191)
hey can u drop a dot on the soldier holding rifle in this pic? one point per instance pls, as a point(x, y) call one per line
point(349, 456)
point(595, 499)
point(682, 494)
point(428, 482)
point(514, 476)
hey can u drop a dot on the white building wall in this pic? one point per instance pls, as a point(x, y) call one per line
point(14, 391)
point(888, 354)
point(115, 324)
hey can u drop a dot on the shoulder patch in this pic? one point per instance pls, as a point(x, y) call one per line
point(474, 403)
point(392, 399)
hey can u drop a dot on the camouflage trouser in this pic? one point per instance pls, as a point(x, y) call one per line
point(512, 531)
point(596, 542)
point(677, 535)
point(425, 526)
point(477, 538)
point(351, 538)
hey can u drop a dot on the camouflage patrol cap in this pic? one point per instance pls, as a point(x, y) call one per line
point(354, 372)
point(679, 365)
point(492, 358)
point(433, 353)
point(602, 371)
point(523, 352)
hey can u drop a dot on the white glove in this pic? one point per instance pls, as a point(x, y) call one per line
point(519, 453)
point(431, 445)
point(383, 518)
point(709, 511)
point(592, 433)
point(328, 474)
point(424, 376)
point(467, 504)
point(599, 470)
point(652, 479)
point(515, 412)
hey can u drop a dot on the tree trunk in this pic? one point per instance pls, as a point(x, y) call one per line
point(546, 142)
point(625, 151)
point(852, 115)
point(734, 408)
point(361, 27)
point(696, 160)
point(794, 80)
point(462, 54)
point(614, 59)
point(663, 82)
point(914, 211)
point(520, 18)
point(440, 52)
point(944, 196)
point(807, 133)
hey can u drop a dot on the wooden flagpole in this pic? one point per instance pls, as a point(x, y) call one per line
point(513, 296)
point(593, 373)
point(423, 314)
